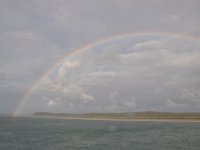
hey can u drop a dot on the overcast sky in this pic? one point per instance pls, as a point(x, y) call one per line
point(136, 73)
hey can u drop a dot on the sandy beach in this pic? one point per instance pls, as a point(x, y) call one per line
point(129, 120)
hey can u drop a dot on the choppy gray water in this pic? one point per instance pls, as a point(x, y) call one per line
point(58, 134)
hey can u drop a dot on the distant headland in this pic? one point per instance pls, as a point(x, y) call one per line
point(127, 116)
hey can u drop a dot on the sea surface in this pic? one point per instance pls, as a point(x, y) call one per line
point(60, 134)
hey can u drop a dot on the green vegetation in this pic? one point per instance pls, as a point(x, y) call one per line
point(126, 115)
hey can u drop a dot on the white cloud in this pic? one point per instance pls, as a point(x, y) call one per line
point(131, 103)
point(68, 89)
point(66, 66)
point(51, 103)
point(150, 45)
point(96, 76)
point(86, 98)
point(172, 104)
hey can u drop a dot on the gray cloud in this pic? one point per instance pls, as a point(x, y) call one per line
point(152, 75)
point(36, 34)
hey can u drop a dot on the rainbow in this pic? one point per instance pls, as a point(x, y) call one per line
point(87, 46)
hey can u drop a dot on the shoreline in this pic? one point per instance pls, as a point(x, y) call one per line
point(147, 116)
point(136, 120)
point(124, 120)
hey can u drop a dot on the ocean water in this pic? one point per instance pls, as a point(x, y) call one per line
point(60, 134)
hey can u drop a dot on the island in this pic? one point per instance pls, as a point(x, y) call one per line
point(127, 116)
